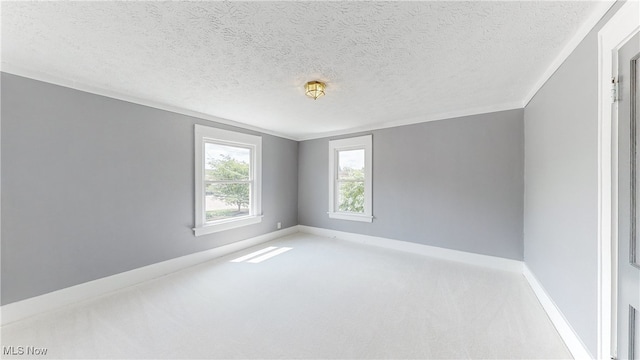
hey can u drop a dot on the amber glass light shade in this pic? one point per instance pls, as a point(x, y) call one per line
point(314, 89)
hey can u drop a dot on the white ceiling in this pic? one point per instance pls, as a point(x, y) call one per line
point(384, 63)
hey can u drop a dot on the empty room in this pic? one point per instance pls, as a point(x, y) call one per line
point(326, 180)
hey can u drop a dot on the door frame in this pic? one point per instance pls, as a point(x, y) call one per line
point(615, 33)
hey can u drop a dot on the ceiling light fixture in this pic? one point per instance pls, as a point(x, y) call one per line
point(314, 89)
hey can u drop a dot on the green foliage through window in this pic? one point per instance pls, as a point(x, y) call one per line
point(351, 192)
point(229, 169)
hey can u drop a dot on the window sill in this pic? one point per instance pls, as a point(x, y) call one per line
point(352, 217)
point(227, 225)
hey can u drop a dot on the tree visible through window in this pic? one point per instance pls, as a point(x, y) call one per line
point(227, 181)
point(351, 181)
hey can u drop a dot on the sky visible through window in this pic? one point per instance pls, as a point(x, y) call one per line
point(218, 151)
point(353, 159)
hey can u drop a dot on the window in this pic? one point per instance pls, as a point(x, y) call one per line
point(350, 179)
point(228, 179)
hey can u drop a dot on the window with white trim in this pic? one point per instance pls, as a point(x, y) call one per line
point(350, 179)
point(228, 170)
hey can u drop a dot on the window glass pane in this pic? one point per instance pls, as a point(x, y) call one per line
point(351, 196)
point(224, 201)
point(351, 164)
point(224, 163)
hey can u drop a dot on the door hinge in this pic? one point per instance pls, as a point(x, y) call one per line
point(614, 90)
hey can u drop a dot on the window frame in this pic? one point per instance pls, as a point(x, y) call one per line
point(207, 134)
point(354, 143)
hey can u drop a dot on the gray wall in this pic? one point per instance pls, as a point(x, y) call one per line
point(560, 213)
point(93, 186)
point(456, 184)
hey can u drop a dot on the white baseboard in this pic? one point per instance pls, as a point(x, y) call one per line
point(57, 299)
point(573, 342)
point(36, 305)
point(493, 262)
point(571, 339)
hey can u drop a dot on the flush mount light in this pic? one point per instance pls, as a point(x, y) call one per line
point(314, 89)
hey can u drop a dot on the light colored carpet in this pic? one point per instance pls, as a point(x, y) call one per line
point(324, 298)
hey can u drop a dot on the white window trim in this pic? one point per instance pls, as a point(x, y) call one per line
point(360, 142)
point(203, 133)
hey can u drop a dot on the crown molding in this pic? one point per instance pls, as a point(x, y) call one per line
point(76, 85)
point(418, 120)
point(581, 33)
point(72, 84)
point(587, 26)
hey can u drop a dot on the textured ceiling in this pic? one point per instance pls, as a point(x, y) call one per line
point(383, 62)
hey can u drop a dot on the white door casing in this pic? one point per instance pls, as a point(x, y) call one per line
point(618, 30)
point(627, 280)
